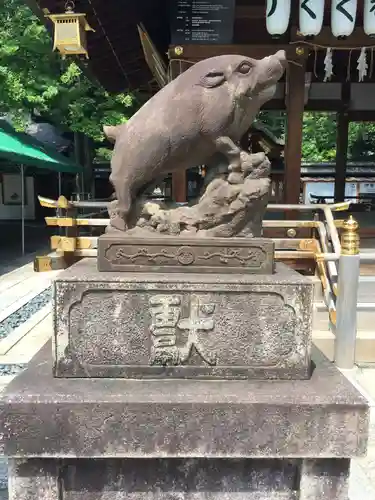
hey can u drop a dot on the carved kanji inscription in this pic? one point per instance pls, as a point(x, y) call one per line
point(167, 323)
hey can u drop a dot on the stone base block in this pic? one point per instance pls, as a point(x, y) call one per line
point(100, 439)
point(42, 416)
point(119, 252)
point(178, 479)
point(138, 325)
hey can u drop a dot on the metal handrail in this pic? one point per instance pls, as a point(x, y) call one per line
point(336, 207)
point(324, 241)
point(332, 229)
point(334, 257)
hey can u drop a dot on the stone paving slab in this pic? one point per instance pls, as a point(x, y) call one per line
point(362, 485)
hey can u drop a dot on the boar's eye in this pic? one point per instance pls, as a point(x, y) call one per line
point(244, 68)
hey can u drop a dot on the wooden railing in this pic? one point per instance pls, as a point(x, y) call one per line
point(318, 251)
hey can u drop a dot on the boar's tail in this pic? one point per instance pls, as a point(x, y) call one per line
point(112, 132)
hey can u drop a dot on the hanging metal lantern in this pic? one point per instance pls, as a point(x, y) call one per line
point(369, 17)
point(343, 14)
point(278, 15)
point(311, 14)
point(70, 31)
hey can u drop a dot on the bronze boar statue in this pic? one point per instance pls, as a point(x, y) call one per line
point(205, 110)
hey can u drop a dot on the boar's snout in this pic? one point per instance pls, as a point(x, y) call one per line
point(281, 57)
point(269, 71)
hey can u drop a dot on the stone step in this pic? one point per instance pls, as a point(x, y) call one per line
point(365, 348)
point(366, 289)
point(365, 316)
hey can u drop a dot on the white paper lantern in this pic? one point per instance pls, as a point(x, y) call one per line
point(343, 17)
point(311, 17)
point(369, 17)
point(278, 14)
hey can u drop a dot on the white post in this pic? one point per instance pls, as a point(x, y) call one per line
point(346, 305)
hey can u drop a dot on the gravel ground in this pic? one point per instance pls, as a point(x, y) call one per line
point(11, 369)
point(24, 313)
point(6, 327)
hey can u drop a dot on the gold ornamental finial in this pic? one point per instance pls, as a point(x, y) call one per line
point(350, 237)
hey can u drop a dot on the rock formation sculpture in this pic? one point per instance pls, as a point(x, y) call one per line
point(225, 209)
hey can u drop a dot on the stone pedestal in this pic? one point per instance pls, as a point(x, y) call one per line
point(182, 325)
point(102, 439)
point(143, 479)
point(162, 391)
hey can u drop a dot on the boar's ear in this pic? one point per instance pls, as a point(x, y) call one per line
point(111, 132)
point(213, 79)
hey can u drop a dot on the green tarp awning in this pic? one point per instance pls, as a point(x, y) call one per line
point(23, 149)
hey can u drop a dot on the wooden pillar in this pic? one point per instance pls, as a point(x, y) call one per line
point(179, 186)
point(295, 103)
point(179, 178)
point(342, 143)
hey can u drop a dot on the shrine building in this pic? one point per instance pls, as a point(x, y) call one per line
point(329, 44)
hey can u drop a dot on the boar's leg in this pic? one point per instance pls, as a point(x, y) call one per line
point(227, 147)
point(124, 202)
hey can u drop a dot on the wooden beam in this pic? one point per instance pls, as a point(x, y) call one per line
point(293, 148)
point(333, 105)
point(274, 104)
point(357, 39)
point(250, 12)
point(363, 115)
point(342, 143)
point(195, 52)
point(179, 181)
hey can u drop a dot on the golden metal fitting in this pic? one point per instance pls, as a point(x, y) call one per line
point(42, 264)
point(350, 237)
point(308, 245)
point(300, 51)
point(319, 257)
point(332, 316)
point(178, 51)
point(291, 233)
point(62, 202)
point(340, 207)
point(63, 243)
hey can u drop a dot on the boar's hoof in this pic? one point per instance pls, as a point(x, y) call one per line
point(117, 222)
point(235, 166)
point(235, 178)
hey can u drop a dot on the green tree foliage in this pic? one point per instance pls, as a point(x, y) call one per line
point(319, 136)
point(362, 141)
point(36, 81)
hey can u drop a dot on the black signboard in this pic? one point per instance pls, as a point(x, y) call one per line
point(202, 21)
